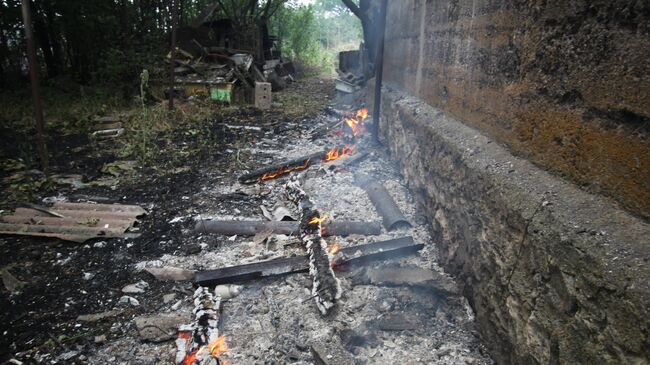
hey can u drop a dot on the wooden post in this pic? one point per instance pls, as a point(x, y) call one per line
point(172, 61)
point(379, 68)
point(35, 86)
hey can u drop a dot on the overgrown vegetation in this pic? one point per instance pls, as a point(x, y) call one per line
point(92, 55)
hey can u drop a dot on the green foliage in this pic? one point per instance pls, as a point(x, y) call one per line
point(314, 34)
point(140, 143)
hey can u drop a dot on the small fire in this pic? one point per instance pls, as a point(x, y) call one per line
point(333, 249)
point(336, 153)
point(316, 220)
point(362, 114)
point(284, 170)
point(215, 349)
point(356, 123)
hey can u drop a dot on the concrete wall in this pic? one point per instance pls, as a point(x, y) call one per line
point(555, 275)
point(494, 109)
point(563, 83)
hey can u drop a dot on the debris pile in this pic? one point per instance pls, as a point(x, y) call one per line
point(229, 64)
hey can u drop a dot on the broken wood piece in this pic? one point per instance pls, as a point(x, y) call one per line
point(158, 328)
point(296, 164)
point(346, 257)
point(348, 160)
point(331, 353)
point(203, 331)
point(170, 273)
point(391, 215)
point(251, 228)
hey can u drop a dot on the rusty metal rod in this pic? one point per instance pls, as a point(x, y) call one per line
point(36, 92)
point(251, 228)
point(391, 215)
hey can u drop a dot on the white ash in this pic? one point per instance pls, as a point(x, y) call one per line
point(326, 288)
point(204, 329)
point(274, 320)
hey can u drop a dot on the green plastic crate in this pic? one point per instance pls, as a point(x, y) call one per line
point(221, 93)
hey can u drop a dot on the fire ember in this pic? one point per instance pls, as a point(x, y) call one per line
point(200, 343)
point(326, 287)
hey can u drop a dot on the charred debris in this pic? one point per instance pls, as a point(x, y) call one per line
point(229, 62)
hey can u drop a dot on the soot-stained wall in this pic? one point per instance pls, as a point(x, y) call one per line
point(563, 83)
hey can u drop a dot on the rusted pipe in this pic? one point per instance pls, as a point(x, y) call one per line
point(251, 228)
point(391, 215)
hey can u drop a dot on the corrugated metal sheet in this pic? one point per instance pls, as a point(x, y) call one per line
point(80, 222)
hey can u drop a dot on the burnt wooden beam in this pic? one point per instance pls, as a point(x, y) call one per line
point(391, 215)
point(326, 287)
point(282, 168)
point(251, 228)
point(344, 259)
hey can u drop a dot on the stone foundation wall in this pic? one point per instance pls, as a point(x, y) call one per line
point(563, 83)
point(556, 275)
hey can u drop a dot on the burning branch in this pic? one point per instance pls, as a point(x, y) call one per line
point(200, 343)
point(296, 164)
point(326, 287)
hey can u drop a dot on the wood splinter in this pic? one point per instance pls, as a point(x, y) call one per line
point(326, 287)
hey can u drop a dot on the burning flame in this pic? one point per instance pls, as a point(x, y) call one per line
point(333, 249)
point(362, 114)
point(284, 170)
point(215, 349)
point(336, 153)
point(357, 123)
point(316, 220)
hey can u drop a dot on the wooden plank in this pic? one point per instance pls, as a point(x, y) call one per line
point(346, 257)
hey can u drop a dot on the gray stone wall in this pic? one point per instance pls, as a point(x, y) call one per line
point(556, 275)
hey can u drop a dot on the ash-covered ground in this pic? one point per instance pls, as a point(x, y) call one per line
point(269, 321)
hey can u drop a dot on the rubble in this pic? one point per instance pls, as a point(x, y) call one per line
point(99, 316)
point(158, 328)
point(170, 273)
point(125, 299)
point(137, 288)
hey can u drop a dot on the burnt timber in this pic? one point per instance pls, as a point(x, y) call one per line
point(346, 258)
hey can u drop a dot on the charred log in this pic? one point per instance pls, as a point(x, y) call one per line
point(326, 287)
point(347, 257)
point(200, 341)
point(251, 228)
point(296, 164)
